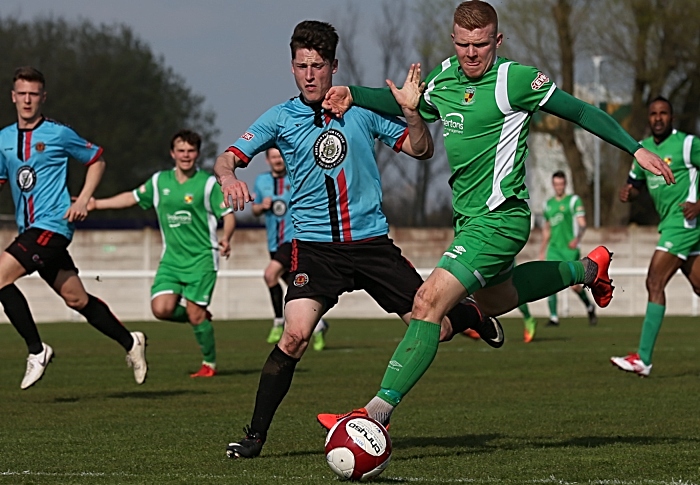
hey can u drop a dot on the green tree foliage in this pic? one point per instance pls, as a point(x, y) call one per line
point(107, 84)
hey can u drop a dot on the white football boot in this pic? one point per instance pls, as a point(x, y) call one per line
point(136, 357)
point(632, 363)
point(36, 365)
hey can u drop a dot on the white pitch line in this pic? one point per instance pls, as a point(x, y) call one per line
point(551, 480)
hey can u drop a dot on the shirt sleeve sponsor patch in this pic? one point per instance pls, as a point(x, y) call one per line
point(247, 136)
point(539, 81)
point(142, 189)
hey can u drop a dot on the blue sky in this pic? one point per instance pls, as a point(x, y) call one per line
point(233, 52)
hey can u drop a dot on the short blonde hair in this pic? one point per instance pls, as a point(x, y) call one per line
point(475, 14)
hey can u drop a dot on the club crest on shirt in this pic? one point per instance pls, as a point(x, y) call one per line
point(539, 81)
point(469, 92)
point(279, 208)
point(189, 198)
point(668, 159)
point(330, 149)
point(26, 178)
point(40, 147)
point(301, 279)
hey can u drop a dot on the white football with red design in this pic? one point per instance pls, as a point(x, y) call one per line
point(358, 448)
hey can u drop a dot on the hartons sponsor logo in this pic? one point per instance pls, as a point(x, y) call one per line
point(453, 123)
point(179, 218)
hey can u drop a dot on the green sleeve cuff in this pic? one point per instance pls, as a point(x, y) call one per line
point(591, 119)
point(377, 99)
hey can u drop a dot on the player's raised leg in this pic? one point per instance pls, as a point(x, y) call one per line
point(68, 285)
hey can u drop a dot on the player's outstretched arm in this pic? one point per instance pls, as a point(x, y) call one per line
point(119, 201)
point(225, 241)
point(339, 99)
point(235, 191)
point(604, 126)
point(78, 210)
point(419, 143)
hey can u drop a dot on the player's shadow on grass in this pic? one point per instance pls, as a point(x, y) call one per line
point(599, 441)
point(474, 443)
point(237, 372)
point(154, 394)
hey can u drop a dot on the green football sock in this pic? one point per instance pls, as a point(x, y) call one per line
point(204, 333)
point(179, 315)
point(411, 359)
point(539, 279)
point(584, 298)
point(525, 311)
point(552, 301)
point(650, 330)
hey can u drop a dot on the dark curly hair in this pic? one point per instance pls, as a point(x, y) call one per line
point(316, 35)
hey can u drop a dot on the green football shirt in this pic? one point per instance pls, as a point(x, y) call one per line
point(561, 215)
point(485, 127)
point(187, 213)
point(682, 154)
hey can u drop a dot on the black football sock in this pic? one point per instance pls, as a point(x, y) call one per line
point(99, 316)
point(276, 296)
point(275, 380)
point(17, 311)
point(463, 316)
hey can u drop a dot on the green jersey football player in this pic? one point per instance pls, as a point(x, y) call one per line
point(188, 205)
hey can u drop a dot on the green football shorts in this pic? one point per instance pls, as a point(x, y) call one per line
point(484, 249)
point(680, 241)
point(195, 287)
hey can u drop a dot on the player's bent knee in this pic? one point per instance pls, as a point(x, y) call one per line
point(422, 305)
point(293, 344)
point(76, 303)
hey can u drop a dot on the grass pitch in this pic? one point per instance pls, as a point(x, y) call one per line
point(553, 411)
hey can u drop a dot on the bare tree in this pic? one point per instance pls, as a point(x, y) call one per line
point(403, 36)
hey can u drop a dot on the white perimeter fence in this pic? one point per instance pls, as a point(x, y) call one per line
point(118, 266)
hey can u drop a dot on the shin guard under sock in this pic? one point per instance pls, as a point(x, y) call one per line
point(99, 316)
point(275, 380)
point(17, 311)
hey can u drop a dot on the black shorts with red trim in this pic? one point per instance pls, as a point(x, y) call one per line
point(327, 270)
point(283, 255)
point(42, 251)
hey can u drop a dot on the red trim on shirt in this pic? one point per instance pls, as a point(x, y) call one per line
point(399, 142)
point(326, 117)
point(344, 206)
point(2, 181)
point(30, 208)
point(96, 157)
point(27, 145)
point(239, 154)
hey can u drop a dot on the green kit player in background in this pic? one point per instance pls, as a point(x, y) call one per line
point(485, 104)
point(564, 226)
point(678, 208)
point(188, 204)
